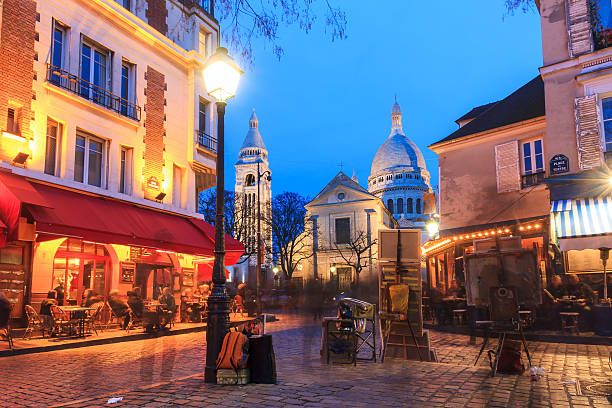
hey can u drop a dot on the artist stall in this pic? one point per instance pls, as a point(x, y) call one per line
point(401, 316)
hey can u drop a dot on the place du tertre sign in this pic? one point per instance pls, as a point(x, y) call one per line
point(559, 164)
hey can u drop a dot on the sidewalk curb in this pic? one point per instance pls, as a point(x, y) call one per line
point(109, 340)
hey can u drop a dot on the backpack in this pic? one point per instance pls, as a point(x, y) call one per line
point(234, 352)
point(510, 361)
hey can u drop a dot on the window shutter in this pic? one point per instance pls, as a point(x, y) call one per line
point(579, 27)
point(587, 132)
point(507, 164)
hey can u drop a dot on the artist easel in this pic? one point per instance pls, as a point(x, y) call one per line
point(401, 322)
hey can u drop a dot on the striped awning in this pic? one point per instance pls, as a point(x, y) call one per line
point(576, 220)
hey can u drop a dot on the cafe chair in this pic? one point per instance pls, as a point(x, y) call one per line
point(34, 322)
point(569, 321)
point(459, 316)
point(61, 322)
point(6, 333)
point(93, 319)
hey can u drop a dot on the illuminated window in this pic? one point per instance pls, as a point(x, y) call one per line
point(52, 147)
point(89, 157)
point(125, 171)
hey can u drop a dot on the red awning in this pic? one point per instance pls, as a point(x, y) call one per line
point(15, 190)
point(109, 221)
point(233, 248)
point(205, 271)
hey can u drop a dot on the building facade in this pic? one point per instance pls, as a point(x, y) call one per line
point(104, 109)
point(577, 77)
point(492, 173)
point(251, 191)
point(400, 178)
point(342, 215)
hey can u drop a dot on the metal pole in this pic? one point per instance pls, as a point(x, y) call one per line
point(218, 301)
point(258, 243)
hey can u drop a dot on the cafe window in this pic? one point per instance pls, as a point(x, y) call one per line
point(80, 265)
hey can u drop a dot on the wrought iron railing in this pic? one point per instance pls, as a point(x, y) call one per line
point(94, 93)
point(206, 141)
point(532, 179)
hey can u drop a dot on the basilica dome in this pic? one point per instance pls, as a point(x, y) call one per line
point(397, 151)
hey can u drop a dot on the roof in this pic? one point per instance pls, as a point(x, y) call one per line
point(398, 151)
point(477, 111)
point(253, 138)
point(341, 179)
point(525, 103)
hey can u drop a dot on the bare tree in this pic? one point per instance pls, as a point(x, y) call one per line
point(291, 236)
point(243, 21)
point(524, 6)
point(236, 215)
point(355, 251)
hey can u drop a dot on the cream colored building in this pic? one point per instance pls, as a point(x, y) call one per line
point(342, 212)
point(105, 99)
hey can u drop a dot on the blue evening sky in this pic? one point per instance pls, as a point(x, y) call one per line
point(329, 102)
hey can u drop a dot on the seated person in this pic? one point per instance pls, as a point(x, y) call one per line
point(580, 290)
point(168, 304)
point(59, 294)
point(120, 308)
point(135, 301)
point(455, 290)
point(556, 288)
point(90, 298)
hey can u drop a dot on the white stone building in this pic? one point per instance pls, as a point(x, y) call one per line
point(399, 176)
point(253, 160)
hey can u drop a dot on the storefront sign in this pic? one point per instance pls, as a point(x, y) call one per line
point(153, 183)
point(128, 271)
point(559, 164)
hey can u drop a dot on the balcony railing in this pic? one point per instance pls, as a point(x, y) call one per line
point(206, 141)
point(206, 6)
point(532, 179)
point(94, 93)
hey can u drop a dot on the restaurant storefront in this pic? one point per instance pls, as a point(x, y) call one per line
point(70, 241)
point(444, 256)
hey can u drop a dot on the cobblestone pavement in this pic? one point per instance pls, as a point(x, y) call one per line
point(166, 371)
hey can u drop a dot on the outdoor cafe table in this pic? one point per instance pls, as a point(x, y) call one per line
point(78, 313)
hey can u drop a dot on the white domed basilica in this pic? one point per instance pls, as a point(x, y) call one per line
point(399, 176)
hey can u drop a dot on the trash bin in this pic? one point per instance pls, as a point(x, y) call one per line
point(603, 320)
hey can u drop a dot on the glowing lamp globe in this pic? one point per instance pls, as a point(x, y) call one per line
point(432, 228)
point(221, 75)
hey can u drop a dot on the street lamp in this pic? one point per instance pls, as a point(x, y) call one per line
point(221, 77)
point(432, 228)
point(259, 240)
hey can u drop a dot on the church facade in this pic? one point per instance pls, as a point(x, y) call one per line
point(400, 178)
point(252, 161)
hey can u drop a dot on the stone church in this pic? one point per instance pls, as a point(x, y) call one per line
point(252, 160)
point(344, 210)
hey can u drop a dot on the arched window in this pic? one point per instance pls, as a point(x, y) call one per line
point(390, 205)
point(418, 206)
point(249, 180)
point(410, 207)
point(400, 206)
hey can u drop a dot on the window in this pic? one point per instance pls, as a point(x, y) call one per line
point(202, 43)
point(94, 68)
point(125, 171)
point(533, 163)
point(409, 205)
point(57, 52)
point(343, 230)
point(341, 196)
point(418, 206)
point(202, 115)
point(54, 133)
point(390, 205)
point(249, 180)
point(13, 116)
point(126, 3)
point(126, 87)
point(89, 159)
point(606, 105)
point(400, 206)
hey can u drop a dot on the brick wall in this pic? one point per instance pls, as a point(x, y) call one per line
point(17, 53)
point(155, 131)
point(156, 13)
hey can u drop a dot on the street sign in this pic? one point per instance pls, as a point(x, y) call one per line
point(559, 164)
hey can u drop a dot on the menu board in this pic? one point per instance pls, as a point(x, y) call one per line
point(128, 271)
point(188, 276)
point(135, 254)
